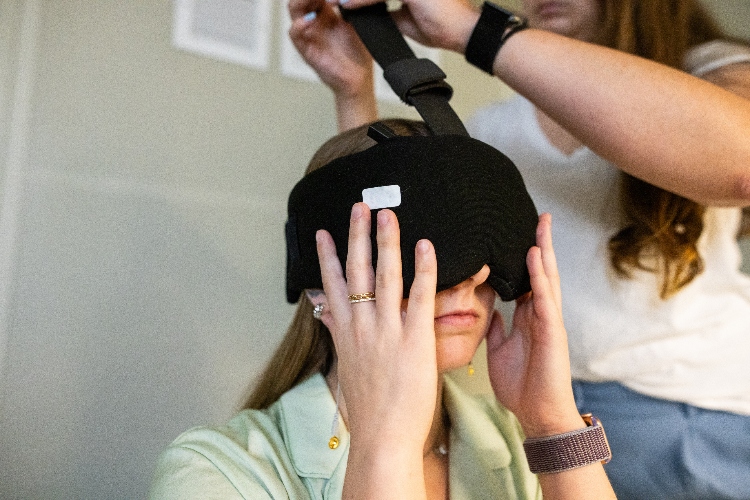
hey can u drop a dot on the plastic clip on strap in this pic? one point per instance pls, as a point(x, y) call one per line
point(380, 132)
point(418, 82)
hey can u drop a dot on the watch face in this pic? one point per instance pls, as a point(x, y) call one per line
point(497, 8)
point(592, 421)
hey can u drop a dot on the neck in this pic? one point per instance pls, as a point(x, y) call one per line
point(438, 435)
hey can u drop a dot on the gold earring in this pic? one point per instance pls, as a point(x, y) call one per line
point(470, 368)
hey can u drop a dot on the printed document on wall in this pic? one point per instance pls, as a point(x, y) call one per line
point(236, 31)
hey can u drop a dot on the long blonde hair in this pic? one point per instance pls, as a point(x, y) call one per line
point(657, 223)
point(307, 348)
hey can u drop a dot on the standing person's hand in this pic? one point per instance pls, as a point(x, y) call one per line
point(446, 24)
point(332, 48)
point(530, 367)
point(387, 363)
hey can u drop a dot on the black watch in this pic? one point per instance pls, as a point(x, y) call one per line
point(494, 27)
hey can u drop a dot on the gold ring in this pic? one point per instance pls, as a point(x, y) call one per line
point(361, 297)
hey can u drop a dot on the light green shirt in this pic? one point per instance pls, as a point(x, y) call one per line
point(282, 452)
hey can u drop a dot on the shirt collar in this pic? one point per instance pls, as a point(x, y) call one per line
point(473, 431)
point(307, 412)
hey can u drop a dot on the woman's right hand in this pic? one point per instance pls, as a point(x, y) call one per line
point(386, 364)
point(332, 48)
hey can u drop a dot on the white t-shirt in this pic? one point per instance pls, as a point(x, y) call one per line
point(693, 347)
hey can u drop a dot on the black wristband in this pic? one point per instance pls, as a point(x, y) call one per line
point(494, 27)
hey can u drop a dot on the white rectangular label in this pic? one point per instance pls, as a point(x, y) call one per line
point(382, 197)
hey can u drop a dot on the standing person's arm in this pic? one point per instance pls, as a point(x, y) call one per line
point(656, 123)
point(659, 124)
point(735, 78)
point(332, 48)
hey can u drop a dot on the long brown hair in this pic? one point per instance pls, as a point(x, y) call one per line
point(307, 347)
point(661, 229)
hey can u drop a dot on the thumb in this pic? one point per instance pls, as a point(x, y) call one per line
point(496, 332)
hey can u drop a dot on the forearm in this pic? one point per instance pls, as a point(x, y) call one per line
point(353, 110)
point(656, 123)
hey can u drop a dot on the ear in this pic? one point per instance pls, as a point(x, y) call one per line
point(316, 296)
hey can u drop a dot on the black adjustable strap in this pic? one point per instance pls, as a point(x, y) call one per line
point(418, 82)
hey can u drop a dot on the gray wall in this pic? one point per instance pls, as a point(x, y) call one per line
point(142, 201)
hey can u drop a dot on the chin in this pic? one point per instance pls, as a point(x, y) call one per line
point(456, 351)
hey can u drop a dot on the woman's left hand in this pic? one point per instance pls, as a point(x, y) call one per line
point(529, 367)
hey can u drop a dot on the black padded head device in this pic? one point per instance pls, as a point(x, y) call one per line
point(464, 196)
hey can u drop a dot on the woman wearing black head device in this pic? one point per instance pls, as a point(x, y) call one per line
point(656, 307)
point(373, 417)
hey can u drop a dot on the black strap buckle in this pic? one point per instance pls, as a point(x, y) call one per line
point(417, 82)
point(413, 76)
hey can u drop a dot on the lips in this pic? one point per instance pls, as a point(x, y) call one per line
point(466, 317)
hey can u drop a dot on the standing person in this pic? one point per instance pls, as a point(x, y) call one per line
point(354, 404)
point(657, 310)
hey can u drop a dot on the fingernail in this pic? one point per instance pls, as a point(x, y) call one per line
point(309, 16)
point(343, 2)
point(382, 218)
point(422, 246)
point(356, 211)
point(318, 235)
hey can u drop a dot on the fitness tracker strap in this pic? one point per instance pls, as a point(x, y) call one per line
point(561, 452)
point(494, 27)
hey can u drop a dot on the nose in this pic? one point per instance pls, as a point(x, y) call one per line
point(476, 279)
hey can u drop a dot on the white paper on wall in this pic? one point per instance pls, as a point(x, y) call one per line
point(236, 31)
